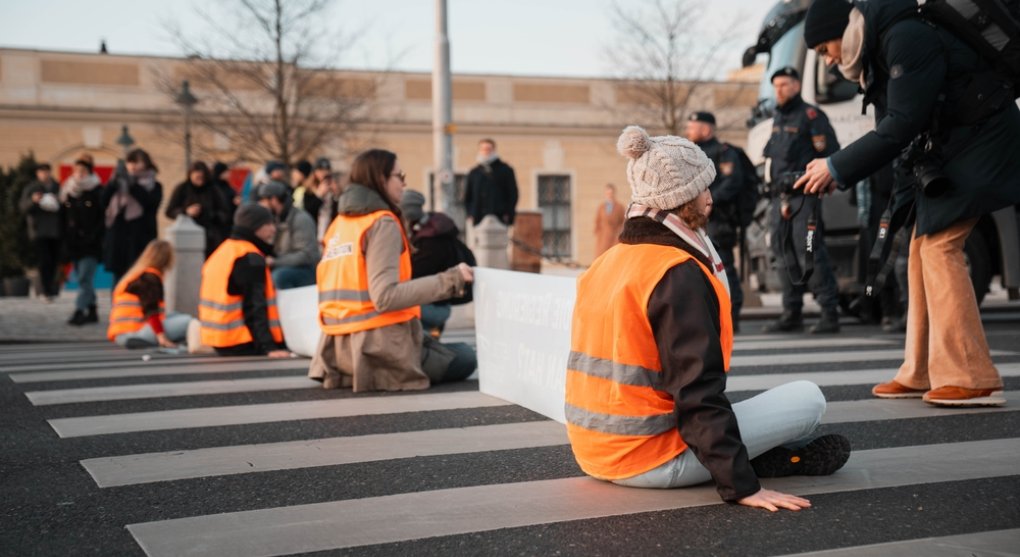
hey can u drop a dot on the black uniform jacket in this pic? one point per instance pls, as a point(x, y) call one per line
point(800, 133)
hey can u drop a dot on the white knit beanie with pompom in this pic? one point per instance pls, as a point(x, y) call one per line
point(664, 172)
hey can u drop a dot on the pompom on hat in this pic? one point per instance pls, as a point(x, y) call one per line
point(664, 172)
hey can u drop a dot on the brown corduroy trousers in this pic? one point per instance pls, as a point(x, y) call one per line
point(946, 343)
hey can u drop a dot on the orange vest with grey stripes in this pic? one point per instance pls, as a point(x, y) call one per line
point(619, 420)
point(222, 313)
point(126, 315)
point(342, 276)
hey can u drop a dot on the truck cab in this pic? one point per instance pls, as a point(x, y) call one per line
point(993, 249)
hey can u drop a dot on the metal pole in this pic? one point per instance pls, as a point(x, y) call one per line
point(187, 138)
point(442, 116)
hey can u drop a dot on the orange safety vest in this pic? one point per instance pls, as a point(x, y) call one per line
point(619, 421)
point(220, 312)
point(342, 276)
point(126, 315)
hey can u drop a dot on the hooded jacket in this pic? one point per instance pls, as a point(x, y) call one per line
point(908, 64)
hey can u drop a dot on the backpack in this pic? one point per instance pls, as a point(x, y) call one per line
point(990, 27)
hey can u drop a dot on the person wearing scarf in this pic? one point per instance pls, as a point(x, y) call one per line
point(83, 235)
point(651, 341)
point(130, 201)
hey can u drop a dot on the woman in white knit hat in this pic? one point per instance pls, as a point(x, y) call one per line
point(651, 343)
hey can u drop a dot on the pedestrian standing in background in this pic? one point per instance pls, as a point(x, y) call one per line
point(41, 204)
point(198, 198)
point(296, 245)
point(302, 182)
point(491, 187)
point(608, 221)
point(138, 317)
point(81, 196)
point(221, 179)
point(130, 203)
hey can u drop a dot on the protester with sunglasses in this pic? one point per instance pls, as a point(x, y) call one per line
point(368, 302)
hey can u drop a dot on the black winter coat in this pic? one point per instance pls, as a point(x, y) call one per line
point(216, 213)
point(726, 192)
point(42, 224)
point(491, 190)
point(908, 64)
point(84, 224)
point(125, 240)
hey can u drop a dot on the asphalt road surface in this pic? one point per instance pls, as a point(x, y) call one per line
point(106, 454)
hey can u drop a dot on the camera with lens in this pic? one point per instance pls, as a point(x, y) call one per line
point(783, 184)
point(924, 161)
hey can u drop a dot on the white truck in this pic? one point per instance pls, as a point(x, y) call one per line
point(993, 249)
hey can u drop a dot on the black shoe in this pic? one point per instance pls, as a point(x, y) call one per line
point(828, 324)
point(92, 316)
point(78, 319)
point(821, 457)
point(788, 322)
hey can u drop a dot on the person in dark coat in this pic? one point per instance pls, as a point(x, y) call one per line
point(491, 187)
point(221, 179)
point(905, 66)
point(130, 201)
point(41, 205)
point(198, 198)
point(81, 197)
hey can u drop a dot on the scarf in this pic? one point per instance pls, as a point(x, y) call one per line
point(123, 201)
point(698, 239)
point(852, 66)
point(487, 161)
point(74, 187)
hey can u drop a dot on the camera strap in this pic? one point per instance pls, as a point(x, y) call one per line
point(882, 259)
point(800, 274)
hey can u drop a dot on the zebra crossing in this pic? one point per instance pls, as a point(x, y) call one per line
point(106, 453)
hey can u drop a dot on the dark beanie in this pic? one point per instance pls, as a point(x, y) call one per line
point(826, 20)
point(706, 117)
point(304, 167)
point(219, 168)
point(252, 216)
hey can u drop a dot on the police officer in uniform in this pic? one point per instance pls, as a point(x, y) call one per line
point(800, 134)
point(729, 183)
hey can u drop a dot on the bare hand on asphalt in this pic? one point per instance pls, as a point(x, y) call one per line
point(775, 500)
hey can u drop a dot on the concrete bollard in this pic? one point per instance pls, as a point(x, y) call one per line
point(185, 278)
point(489, 243)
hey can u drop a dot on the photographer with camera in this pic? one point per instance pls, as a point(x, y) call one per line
point(800, 133)
point(936, 96)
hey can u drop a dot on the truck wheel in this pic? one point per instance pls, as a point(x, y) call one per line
point(979, 262)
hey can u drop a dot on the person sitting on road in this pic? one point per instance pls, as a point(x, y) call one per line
point(651, 342)
point(137, 318)
point(368, 303)
point(296, 244)
point(435, 248)
point(237, 305)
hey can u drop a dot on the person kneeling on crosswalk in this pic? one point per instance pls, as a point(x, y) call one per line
point(651, 341)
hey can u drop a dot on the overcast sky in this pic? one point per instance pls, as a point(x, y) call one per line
point(518, 37)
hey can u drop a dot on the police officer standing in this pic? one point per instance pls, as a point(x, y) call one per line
point(800, 134)
point(726, 189)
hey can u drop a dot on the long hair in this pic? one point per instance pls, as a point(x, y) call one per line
point(371, 169)
point(199, 166)
point(140, 155)
point(158, 254)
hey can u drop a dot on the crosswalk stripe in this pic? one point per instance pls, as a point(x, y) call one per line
point(53, 366)
point(370, 521)
point(998, 542)
point(823, 357)
point(226, 365)
point(876, 409)
point(219, 461)
point(760, 382)
point(266, 413)
point(154, 390)
point(783, 344)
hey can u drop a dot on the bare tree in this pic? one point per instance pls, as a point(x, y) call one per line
point(268, 82)
point(664, 53)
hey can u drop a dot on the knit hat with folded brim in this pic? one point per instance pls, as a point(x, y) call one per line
point(664, 172)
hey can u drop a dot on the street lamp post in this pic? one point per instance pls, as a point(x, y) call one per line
point(442, 112)
point(187, 101)
point(125, 140)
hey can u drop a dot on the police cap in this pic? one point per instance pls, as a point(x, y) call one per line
point(786, 71)
point(706, 117)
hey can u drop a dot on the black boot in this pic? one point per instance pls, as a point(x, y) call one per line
point(788, 322)
point(821, 457)
point(78, 318)
point(92, 316)
point(828, 324)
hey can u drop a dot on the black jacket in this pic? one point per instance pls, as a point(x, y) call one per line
point(683, 311)
point(980, 159)
point(248, 280)
point(726, 190)
point(800, 133)
point(216, 214)
point(436, 248)
point(84, 225)
point(125, 240)
point(491, 190)
point(42, 224)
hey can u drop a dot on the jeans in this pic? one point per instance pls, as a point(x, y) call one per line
point(822, 282)
point(435, 315)
point(175, 326)
point(293, 277)
point(84, 271)
point(445, 362)
point(786, 415)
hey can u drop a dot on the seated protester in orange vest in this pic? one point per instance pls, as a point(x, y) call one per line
point(137, 317)
point(368, 302)
point(651, 341)
point(237, 301)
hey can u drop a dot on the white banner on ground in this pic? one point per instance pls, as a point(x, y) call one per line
point(522, 324)
point(299, 319)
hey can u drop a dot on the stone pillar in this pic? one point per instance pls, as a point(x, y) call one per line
point(525, 253)
point(185, 278)
point(489, 243)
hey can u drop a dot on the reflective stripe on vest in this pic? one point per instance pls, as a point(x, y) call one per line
point(126, 315)
point(619, 420)
point(222, 313)
point(345, 305)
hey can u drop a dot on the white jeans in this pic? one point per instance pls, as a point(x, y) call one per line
point(175, 326)
point(785, 415)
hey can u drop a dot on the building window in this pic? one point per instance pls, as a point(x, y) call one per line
point(554, 202)
point(459, 185)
